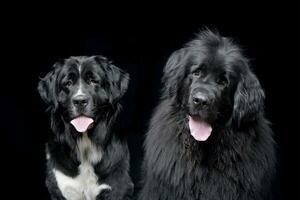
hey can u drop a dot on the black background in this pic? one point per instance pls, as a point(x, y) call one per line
point(140, 43)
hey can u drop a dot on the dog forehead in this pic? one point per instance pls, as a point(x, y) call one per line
point(91, 65)
point(69, 65)
point(71, 62)
point(213, 62)
point(227, 61)
point(197, 57)
point(82, 65)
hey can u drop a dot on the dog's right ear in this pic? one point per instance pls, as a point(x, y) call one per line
point(174, 72)
point(47, 87)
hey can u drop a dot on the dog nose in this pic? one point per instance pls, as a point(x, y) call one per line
point(199, 99)
point(80, 101)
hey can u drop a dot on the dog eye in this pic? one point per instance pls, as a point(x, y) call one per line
point(92, 82)
point(222, 80)
point(197, 73)
point(68, 83)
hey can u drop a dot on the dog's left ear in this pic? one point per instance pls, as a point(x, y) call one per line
point(248, 99)
point(119, 83)
point(118, 79)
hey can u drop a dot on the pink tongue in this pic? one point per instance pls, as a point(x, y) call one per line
point(82, 123)
point(200, 130)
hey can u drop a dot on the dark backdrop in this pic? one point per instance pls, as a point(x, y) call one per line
point(140, 46)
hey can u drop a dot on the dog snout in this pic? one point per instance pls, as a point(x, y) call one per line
point(80, 101)
point(199, 99)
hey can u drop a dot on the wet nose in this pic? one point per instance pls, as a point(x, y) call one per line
point(200, 99)
point(80, 101)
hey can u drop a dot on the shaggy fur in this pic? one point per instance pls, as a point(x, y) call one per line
point(237, 161)
point(95, 164)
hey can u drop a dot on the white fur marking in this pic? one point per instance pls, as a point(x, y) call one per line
point(79, 91)
point(87, 151)
point(79, 68)
point(84, 186)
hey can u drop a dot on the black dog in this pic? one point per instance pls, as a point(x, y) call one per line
point(86, 159)
point(208, 138)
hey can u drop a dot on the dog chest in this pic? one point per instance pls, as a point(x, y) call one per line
point(85, 186)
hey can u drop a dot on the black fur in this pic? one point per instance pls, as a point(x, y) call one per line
point(105, 84)
point(238, 159)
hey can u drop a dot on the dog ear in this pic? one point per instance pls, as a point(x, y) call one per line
point(118, 79)
point(119, 83)
point(174, 72)
point(47, 87)
point(248, 99)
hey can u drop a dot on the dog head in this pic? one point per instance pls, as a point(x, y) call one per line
point(211, 81)
point(83, 90)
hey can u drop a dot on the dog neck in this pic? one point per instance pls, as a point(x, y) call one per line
point(87, 151)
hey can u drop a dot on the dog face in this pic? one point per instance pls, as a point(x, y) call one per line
point(211, 80)
point(208, 86)
point(83, 89)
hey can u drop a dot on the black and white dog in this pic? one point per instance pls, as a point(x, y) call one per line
point(208, 138)
point(86, 159)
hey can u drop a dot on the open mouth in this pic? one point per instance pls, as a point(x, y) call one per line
point(199, 129)
point(82, 123)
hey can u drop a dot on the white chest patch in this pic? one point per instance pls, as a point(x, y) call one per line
point(86, 185)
